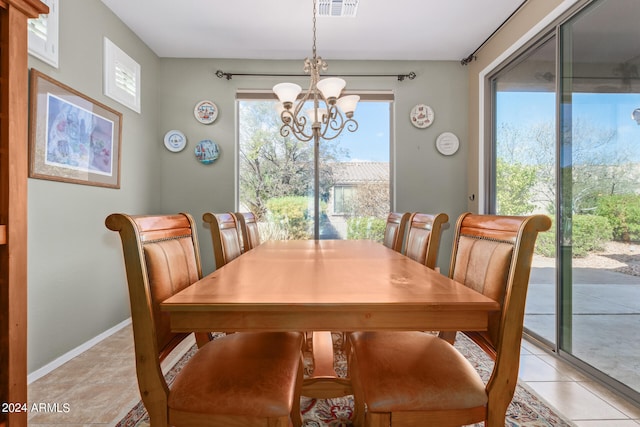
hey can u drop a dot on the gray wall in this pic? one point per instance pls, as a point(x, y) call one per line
point(424, 180)
point(77, 287)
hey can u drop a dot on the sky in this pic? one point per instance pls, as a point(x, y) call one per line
point(606, 111)
point(371, 141)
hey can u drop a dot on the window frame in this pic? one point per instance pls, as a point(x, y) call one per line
point(45, 47)
point(116, 59)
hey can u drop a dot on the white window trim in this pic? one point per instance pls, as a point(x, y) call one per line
point(115, 61)
point(45, 49)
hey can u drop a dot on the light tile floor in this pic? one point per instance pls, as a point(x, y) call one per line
point(97, 388)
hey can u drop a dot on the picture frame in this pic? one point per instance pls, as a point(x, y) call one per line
point(72, 138)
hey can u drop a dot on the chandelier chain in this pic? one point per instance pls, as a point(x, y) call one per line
point(314, 31)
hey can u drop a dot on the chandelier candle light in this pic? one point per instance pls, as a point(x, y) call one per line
point(330, 115)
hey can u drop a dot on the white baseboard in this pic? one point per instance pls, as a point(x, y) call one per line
point(38, 373)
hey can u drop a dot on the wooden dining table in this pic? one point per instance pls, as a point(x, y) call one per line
point(326, 285)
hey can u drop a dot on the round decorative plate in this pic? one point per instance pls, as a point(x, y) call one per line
point(205, 112)
point(447, 143)
point(175, 140)
point(421, 116)
point(207, 151)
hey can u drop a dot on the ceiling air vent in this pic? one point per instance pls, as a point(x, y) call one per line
point(338, 8)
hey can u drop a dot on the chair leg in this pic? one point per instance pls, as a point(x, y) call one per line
point(278, 422)
point(296, 417)
point(358, 395)
point(202, 338)
point(496, 413)
point(378, 419)
point(346, 348)
point(448, 336)
point(158, 417)
point(308, 340)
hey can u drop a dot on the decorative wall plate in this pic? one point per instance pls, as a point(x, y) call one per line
point(175, 141)
point(421, 116)
point(447, 143)
point(207, 151)
point(205, 112)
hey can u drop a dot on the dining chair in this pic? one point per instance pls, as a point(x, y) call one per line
point(248, 379)
point(394, 230)
point(224, 235)
point(418, 379)
point(423, 237)
point(249, 230)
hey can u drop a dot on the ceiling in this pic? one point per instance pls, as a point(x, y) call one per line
point(282, 29)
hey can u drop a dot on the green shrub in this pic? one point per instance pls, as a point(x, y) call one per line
point(589, 234)
point(366, 228)
point(293, 214)
point(623, 213)
point(515, 183)
point(546, 243)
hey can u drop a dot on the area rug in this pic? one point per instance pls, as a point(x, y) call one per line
point(526, 409)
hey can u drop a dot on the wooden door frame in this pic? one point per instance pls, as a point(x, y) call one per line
point(13, 203)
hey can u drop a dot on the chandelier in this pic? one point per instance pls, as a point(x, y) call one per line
point(330, 114)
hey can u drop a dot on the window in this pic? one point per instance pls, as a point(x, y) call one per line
point(276, 174)
point(121, 76)
point(43, 35)
point(342, 198)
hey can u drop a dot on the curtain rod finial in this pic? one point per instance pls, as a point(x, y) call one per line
point(468, 59)
point(411, 76)
point(220, 74)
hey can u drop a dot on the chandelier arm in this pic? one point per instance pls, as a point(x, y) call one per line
point(299, 133)
point(337, 121)
point(297, 110)
point(284, 131)
point(294, 124)
point(351, 125)
point(299, 121)
point(333, 127)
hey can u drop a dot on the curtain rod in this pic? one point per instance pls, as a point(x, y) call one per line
point(400, 77)
point(472, 57)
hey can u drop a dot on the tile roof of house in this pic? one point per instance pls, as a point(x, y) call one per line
point(360, 172)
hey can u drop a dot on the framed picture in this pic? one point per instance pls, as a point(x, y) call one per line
point(72, 138)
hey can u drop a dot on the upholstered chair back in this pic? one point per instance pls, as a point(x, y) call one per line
point(423, 237)
point(161, 258)
point(483, 259)
point(395, 229)
point(225, 237)
point(249, 230)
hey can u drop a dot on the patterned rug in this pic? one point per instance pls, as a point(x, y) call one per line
point(526, 409)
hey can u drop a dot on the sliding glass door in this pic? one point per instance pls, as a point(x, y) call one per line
point(569, 146)
point(524, 165)
point(600, 188)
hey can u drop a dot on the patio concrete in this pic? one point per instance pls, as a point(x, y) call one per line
point(606, 318)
